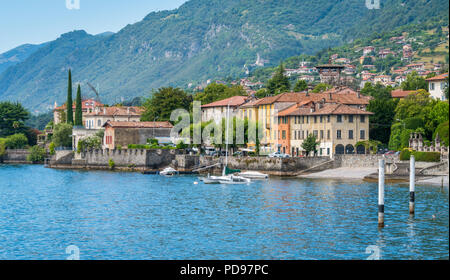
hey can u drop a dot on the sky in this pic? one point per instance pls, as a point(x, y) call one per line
point(39, 21)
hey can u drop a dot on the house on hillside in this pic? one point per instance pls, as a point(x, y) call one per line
point(437, 86)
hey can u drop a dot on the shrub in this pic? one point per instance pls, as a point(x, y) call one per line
point(152, 141)
point(2, 147)
point(51, 147)
point(181, 145)
point(91, 142)
point(119, 147)
point(405, 154)
point(16, 141)
point(111, 164)
point(61, 135)
point(427, 156)
point(443, 131)
point(37, 154)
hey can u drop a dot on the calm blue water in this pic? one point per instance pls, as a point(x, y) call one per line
point(133, 216)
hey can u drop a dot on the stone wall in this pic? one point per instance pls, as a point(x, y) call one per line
point(16, 156)
point(274, 166)
point(362, 160)
point(154, 159)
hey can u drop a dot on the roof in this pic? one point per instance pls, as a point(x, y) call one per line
point(330, 66)
point(85, 104)
point(327, 109)
point(234, 101)
point(138, 124)
point(117, 111)
point(338, 95)
point(399, 93)
point(438, 77)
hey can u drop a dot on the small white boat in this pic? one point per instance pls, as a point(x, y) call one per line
point(254, 175)
point(169, 171)
point(227, 179)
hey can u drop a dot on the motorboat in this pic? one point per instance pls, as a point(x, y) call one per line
point(254, 175)
point(169, 171)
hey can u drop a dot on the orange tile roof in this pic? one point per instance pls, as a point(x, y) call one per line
point(439, 77)
point(117, 111)
point(399, 93)
point(328, 109)
point(234, 101)
point(138, 124)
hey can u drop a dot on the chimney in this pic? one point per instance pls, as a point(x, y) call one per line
point(128, 110)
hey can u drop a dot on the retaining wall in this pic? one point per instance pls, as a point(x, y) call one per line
point(16, 156)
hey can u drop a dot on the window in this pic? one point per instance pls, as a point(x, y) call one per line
point(315, 119)
point(321, 134)
point(363, 118)
point(321, 119)
point(339, 118)
point(328, 134)
point(350, 118)
point(99, 123)
point(328, 151)
point(339, 134)
point(284, 134)
point(328, 118)
point(362, 134)
point(350, 134)
point(431, 86)
point(316, 133)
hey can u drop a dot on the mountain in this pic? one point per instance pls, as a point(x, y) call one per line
point(17, 55)
point(203, 39)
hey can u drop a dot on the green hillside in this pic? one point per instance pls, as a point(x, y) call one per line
point(201, 40)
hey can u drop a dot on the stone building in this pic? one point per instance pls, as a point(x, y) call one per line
point(125, 133)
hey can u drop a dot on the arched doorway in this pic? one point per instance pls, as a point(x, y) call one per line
point(349, 149)
point(339, 150)
point(361, 150)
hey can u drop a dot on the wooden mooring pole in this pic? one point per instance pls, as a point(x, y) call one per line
point(381, 181)
point(412, 184)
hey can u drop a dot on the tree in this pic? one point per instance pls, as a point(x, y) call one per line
point(69, 100)
point(161, 104)
point(322, 87)
point(310, 144)
point(62, 135)
point(16, 141)
point(301, 85)
point(78, 108)
point(214, 92)
point(279, 82)
point(414, 82)
point(383, 106)
point(12, 118)
point(37, 154)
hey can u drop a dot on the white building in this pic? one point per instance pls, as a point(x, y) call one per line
point(437, 85)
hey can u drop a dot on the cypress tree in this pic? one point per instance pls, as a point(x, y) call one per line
point(69, 100)
point(78, 108)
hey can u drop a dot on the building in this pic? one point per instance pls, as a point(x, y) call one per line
point(383, 79)
point(88, 105)
point(268, 108)
point(368, 50)
point(122, 134)
point(338, 127)
point(437, 86)
point(95, 119)
point(218, 110)
point(331, 74)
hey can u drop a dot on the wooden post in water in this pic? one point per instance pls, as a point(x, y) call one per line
point(381, 182)
point(412, 184)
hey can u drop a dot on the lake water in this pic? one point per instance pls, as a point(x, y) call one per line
point(110, 215)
